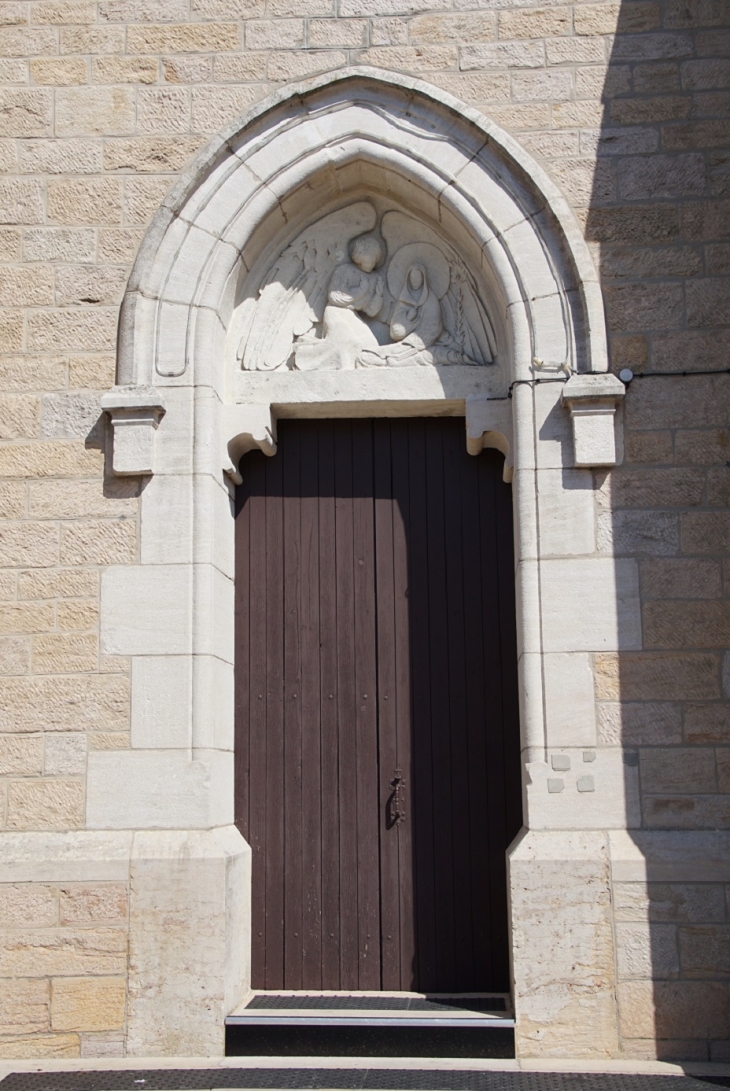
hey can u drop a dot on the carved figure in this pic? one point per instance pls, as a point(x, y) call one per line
point(353, 288)
point(341, 296)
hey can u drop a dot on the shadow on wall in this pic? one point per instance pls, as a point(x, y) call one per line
point(660, 214)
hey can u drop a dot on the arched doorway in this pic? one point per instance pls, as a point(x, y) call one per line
point(377, 730)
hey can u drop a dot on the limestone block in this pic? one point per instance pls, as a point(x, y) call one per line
point(592, 402)
point(25, 112)
point(21, 755)
point(65, 653)
point(40, 1046)
point(92, 39)
point(167, 502)
point(26, 617)
point(59, 71)
point(55, 952)
point(102, 1044)
point(656, 676)
point(210, 105)
point(103, 542)
point(705, 950)
point(26, 286)
point(88, 1003)
point(28, 543)
point(65, 755)
point(646, 950)
point(14, 655)
point(21, 199)
point(73, 330)
point(12, 499)
point(45, 804)
point(677, 769)
point(29, 905)
point(569, 700)
point(97, 903)
point(688, 902)
point(76, 201)
point(64, 704)
point(145, 610)
point(161, 697)
point(673, 1009)
point(24, 1006)
point(677, 856)
point(73, 856)
point(93, 372)
point(163, 789)
point(124, 69)
point(60, 582)
point(79, 284)
point(590, 604)
point(183, 38)
point(608, 798)
point(150, 154)
point(189, 940)
point(142, 198)
point(563, 992)
point(104, 111)
point(77, 614)
point(639, 724)
point(565, 512)
point(59, 244)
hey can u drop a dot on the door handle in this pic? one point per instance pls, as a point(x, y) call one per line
point(397, 813)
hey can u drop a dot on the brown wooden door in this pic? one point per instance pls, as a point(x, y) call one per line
point(375, 633)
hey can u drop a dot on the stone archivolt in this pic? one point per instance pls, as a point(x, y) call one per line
point(355, 290)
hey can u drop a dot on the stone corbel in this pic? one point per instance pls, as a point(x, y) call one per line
point(135, 413)
point(592, 401)
point(245, 427)
point(489, 424)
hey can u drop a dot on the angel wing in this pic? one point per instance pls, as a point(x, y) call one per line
point(464, 315)
point(292, 297)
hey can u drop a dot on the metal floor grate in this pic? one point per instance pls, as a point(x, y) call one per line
point(368, 1079)
point(272, 1001)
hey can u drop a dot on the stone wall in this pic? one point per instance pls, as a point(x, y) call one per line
point(626, 106)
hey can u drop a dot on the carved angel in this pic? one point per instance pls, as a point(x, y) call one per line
point(306, 314)
point(437, 317)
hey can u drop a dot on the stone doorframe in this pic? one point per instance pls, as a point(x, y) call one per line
point(181, 420)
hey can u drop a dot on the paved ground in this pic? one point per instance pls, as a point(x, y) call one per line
point(357, 1079)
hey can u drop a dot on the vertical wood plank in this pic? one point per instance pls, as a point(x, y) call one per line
point(310, 706)
point(346, 707)
point(273, 687)
point(404, 741)
point(387, 706)
point(257, 709)
point(293, 887)
point(330, 795)
point(368, 879)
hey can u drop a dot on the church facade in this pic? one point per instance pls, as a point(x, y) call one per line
point(364, 490)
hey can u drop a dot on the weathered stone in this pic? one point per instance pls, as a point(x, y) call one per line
point(59, 71)
point(707, 724)
point(77, 614)
point(680, 578)
point(149, 155)
point(23, 1005)
point(88, 1003)
point(59, 244)
point(21, 201)
point(110, 740)
point(28, 543)
point(100, 903)
point(107, 542)
point(60, 156)
point(40, 1046)
point(705, 950)
point(18, 416)
point(656, 676)
point(65, 755)
point(65, 653)
point(54, 953)
point(21, 756)
point(651, 533)
point(644, 306)
point(183, 38)
point(652, 447)
point(59, 583)
point(345, 33)
point(686, 625)
point(14, 655)
point(84, 284)
point(72, 330)
point(92, 39)
point(28, 905)
point(100, 110)
point(687, 812)
point(124, 69)
point(647, 951)
point(677, 769)
point(91, 372)
point(93, 702)
point(694, 903)
point(85, 201)
point(25, 113)
point(26, 617)
point(707, 302)
point(45, 804)
point(671, 1009)
point(211, 105)
point(641, 724)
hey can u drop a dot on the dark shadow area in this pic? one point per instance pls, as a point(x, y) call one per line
point(660, 214)
point(369, 1042)
point(377, 736)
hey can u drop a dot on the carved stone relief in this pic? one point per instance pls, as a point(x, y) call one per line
point(355, 290)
